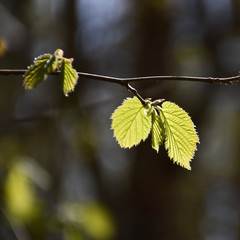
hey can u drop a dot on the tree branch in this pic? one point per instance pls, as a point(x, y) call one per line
point(125, 81)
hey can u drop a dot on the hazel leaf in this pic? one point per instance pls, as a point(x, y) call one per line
point(130, 123)
point(158, 131)
point(38, 71)
point(181, 136)
point(68, 76)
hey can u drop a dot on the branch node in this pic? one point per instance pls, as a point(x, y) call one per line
point(135, 92)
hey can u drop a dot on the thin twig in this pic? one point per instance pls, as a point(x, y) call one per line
point(135, 92)
point(125, 81)
point(122, 81)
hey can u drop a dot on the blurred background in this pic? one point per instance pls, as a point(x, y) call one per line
point(62, 174)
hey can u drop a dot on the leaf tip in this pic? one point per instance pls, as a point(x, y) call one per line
point(188, 168)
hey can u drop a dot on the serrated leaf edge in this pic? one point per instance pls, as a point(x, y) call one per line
point(145, 115)
point(65, 71)
point(31, 67)
point(195, 148)
point(161, 130)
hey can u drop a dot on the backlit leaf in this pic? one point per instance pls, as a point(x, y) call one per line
point(157, 131)
point(130, 123)
point(51, 64)
point(68, 75)
point(181, 136)
point(37, 72)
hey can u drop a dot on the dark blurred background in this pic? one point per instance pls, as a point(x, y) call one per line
point(62, 174)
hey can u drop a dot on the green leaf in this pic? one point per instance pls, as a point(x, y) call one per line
point(181, 136)
point(130, 123)
point(158, 133)
point(51, 64)
point(37, 72)
point(68, 75)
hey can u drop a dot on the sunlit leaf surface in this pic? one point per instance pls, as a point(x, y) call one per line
point(130, 123)
point(69, 76)
point(181, 136)
point(37, 72)
point(157, 131)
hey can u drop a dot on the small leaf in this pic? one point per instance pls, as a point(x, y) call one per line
point(157, 131)
point(130, 123)
point(51, 64)
point(37, 72)
point(148, 109)
point(68, 75)
point(181, 136)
